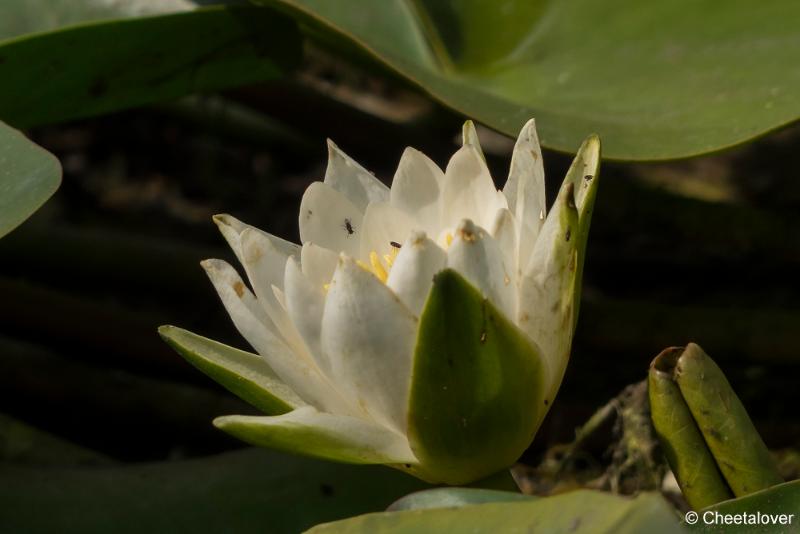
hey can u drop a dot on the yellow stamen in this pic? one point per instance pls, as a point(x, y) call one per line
point(377, 267)
point(448, 239)
point(389, 258)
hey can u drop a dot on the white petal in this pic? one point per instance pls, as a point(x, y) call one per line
point(305, 302)
point(416, 189)
point(412, 273)
point(246, 313)
point(322, 435)
point(476, 255)
point(266, 266)
point(525, 190)
point(382, 225)
point(318, 263)
point(505, 234)
point(369, 336)
point(232, 228)
point(468, 191)
point(329, 219)
point(250, 319)
point(352, 180)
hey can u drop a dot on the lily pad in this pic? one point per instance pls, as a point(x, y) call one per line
point(29, 175)
point(656, 81)
point(577, 512)
point(782, 499)
point(454, 498)
point(246, 491)
point(108, 65)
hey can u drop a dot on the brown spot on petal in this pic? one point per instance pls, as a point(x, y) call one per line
point(239, 288)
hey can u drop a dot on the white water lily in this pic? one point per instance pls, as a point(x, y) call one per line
point(426, 326)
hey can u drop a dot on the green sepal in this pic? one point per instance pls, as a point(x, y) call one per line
point(246, 375)
point(688, 455)
point(477, 386)
point(584, 175)
point(741, 454)
point(309, 432)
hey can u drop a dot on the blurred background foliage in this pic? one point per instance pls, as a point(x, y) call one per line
point(162, 115)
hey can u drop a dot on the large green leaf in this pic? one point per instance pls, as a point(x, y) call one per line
point(241, 492)
point(580, 511)
point(477, 387)
point(783, 499)
point(108, 65)
point(657, 80)
point(29, 175)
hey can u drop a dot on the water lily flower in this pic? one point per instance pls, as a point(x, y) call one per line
point(426, 326)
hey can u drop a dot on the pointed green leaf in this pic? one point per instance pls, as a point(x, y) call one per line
point(108, 65)
point(688, 455)
point(29, 175)
point(246, 375)
point(738, 449)
point(777, 503)
point(454, 498)
point(477, 385)
point(321, 435)
point(577, 512)
point(654, 80)
point(242, 492)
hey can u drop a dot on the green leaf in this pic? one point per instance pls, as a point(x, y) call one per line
point(454, 498)
point(246, 375)
point(29, 175)
point(477, 386)
point(246, 491)
point(105, 66)
point(580, 511)
point(774, 501)
point(688, 455)
point(656, 81)
point(738, 449)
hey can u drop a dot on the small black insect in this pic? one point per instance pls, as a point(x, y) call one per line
point(349, 227)
point(395, 244)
